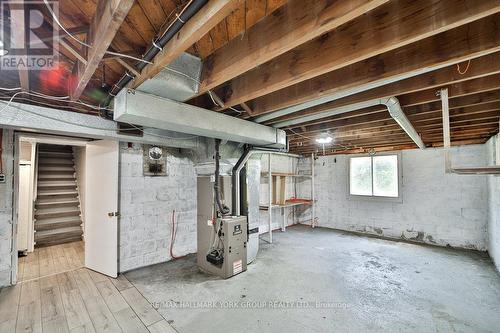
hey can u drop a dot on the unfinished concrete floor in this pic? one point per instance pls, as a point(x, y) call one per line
point(338, 281)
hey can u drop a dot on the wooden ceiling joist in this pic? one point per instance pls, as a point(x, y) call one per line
point(398, 23)
point(291, 25)
point(406, 62)
point(366, 120)
point(478, 67)
point(204, 20)
point(103, 28)
point(463, 88)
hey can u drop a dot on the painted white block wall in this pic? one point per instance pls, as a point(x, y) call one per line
point(493, 205)
point(146, 205)
point(6, 191)
point(437, 208)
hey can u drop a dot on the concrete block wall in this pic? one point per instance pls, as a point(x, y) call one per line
point(146, 205)
point(493, 205)
point(6, 195)
point(437, 208)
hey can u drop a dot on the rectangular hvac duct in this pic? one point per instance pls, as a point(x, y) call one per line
point(178, 81)
point(139, 108)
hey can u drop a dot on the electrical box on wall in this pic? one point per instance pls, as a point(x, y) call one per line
point(154, 160)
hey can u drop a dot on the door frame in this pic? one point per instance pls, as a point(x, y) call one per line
point(33, 138)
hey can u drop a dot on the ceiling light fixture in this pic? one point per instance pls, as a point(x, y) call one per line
point(323, 140)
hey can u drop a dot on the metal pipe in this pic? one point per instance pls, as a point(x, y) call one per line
point(237, 169)
point(223, 210)
point(270, 201)
point(396, 112)
point(445, 108)
point(153, 50)
point(392, 104)
point(313, 208)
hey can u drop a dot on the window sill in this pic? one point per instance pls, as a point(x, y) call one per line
point(375, 198)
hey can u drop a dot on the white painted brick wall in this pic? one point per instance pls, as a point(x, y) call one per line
point(6, 190)
point(494, 206)
point(437, 208)
point(146, 205)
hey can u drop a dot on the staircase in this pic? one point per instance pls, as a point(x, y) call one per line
point(57, 207)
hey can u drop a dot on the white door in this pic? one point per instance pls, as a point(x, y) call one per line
point(101, 207)
point(24, 226)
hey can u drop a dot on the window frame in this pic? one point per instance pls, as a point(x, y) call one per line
point(398, 199)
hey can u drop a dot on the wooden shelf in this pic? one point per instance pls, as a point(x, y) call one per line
point(305, 202)
point(281, 174)
point(488, 170)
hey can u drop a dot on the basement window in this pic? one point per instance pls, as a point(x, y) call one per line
point(375, 176)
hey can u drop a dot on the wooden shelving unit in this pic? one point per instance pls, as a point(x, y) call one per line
point(278, 190)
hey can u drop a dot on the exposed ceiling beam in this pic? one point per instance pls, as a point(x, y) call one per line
point(103, 28)
point(75, 31)
point(291, 25)
point(76, 53)
point(375, 117)
point(395, 146)
point(128, 67)
point(323, 114)
point(203, 21)
point(397, 23)
point(469, 87)
point(467, 42)
point(479, 67)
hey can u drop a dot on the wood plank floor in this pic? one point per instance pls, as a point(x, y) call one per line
point(58, 295)
point(50, 260)
point(80, 300)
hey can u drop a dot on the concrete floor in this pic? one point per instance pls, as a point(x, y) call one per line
point(334, 282)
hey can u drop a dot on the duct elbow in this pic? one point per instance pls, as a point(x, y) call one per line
point(393, 106)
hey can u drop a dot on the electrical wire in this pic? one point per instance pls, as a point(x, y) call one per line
point(178, 17)
point(54, 16)
point(53, 105)
point(466, 68)
point(11, 89)
point(57, 98)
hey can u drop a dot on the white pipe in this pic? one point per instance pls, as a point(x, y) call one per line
point(396, 112)
point(269, 208)
point(312, 191)
point(445, 108)
point(392, 104)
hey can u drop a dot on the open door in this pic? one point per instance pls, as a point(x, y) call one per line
point(24, 222)
point(101, 207)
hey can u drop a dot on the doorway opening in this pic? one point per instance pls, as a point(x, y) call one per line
point(50, 206)
point(65, 204)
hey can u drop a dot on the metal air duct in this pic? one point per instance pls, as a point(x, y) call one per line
point(392, 104)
